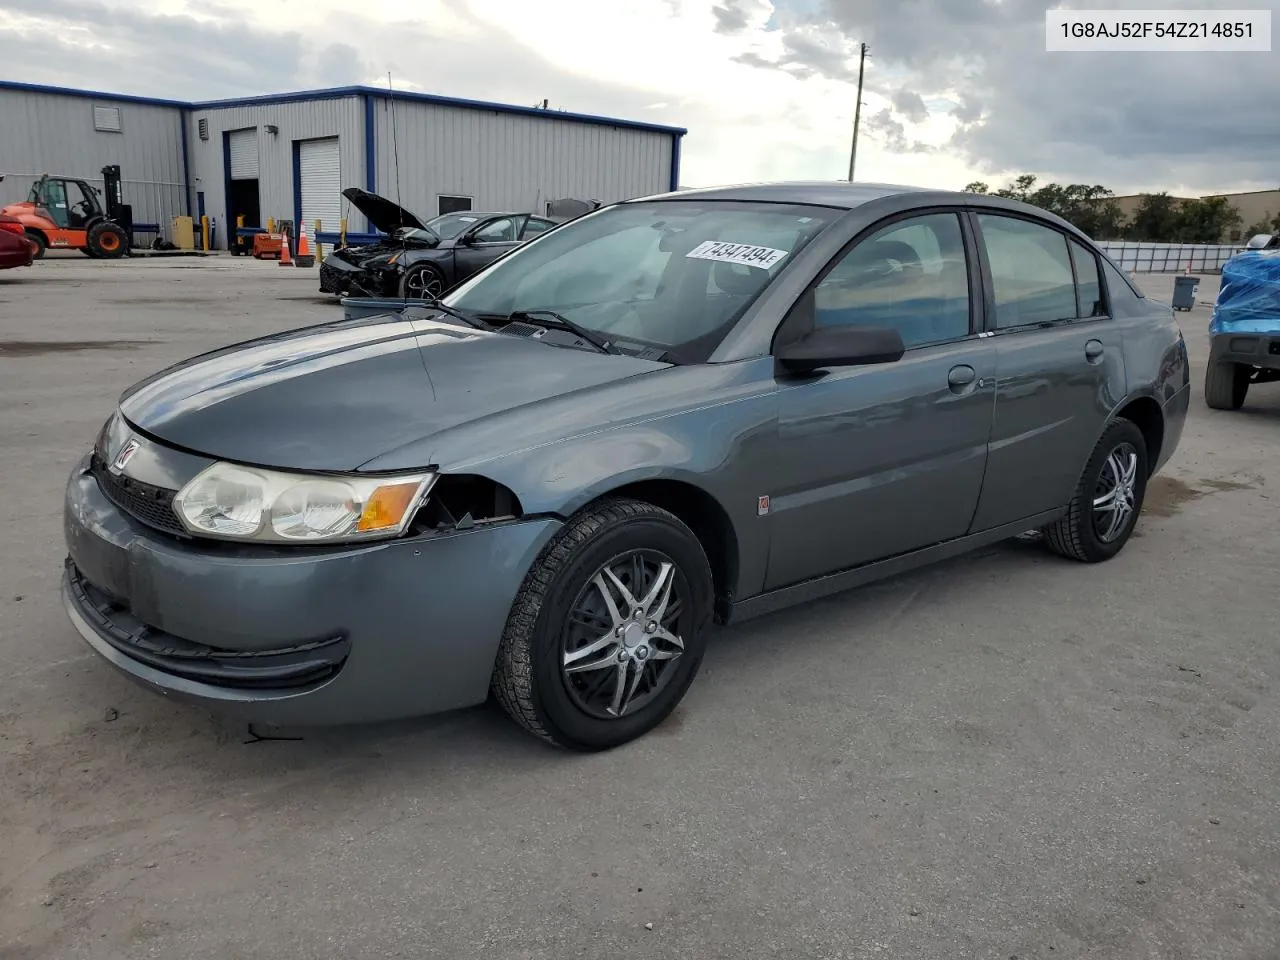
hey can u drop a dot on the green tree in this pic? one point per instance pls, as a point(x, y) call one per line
point(1089, 207)
point(1156, 218)
point(1021, 189)
point(1206, 220)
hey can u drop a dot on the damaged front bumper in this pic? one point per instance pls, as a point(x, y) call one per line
point(343, 278)
point(294, 637)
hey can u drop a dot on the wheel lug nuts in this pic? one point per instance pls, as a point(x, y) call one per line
point(639, 613)
point(652, 626)
point(620, 631)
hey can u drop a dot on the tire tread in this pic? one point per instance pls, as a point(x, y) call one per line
point(1065, 535)
point(512, 682)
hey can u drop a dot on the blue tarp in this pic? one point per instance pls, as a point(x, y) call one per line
point(1249, 295)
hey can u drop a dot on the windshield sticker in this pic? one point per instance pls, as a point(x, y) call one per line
point(746, 254)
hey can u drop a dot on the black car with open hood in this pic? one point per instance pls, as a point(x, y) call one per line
point(421, 259)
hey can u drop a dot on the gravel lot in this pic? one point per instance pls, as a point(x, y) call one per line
point(1005, 756)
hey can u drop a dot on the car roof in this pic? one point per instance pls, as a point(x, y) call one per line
point(487, 214)
point(843, 195)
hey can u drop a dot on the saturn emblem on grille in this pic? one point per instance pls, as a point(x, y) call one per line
point(124, 456)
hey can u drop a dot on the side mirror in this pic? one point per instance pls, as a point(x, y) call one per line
point(841, 347)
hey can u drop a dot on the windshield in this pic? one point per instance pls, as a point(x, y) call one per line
point(449, 225)
point(669, 274)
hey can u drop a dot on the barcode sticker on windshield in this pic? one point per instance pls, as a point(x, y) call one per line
point(745, 254)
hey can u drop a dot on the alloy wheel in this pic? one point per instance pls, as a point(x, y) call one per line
point(1115, 495)
point(624, 634)
point(424, 285)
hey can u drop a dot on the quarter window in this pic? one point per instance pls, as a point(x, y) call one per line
point(1087, 284)
point(1030, 270)
point(912, 275)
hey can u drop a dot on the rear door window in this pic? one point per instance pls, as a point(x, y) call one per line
point(1030, 271)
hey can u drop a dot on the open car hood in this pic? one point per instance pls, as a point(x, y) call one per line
point(382, 213)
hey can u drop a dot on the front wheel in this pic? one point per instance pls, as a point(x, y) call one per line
point(608, 630)
point(1108, 499)
point(421, 282)
point(108, 241)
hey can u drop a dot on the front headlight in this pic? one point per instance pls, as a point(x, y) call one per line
point(247, 503)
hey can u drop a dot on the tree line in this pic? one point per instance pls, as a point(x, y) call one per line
point(1158, 217)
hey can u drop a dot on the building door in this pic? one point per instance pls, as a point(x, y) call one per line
point(242, 179)
point(320, 183)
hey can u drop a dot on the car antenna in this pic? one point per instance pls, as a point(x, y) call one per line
point(395, 151)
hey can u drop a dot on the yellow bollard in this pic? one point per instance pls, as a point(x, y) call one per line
point(204, 232)
point(271, 224)
point(234, 242)
point(319, 247)
point(342, 232)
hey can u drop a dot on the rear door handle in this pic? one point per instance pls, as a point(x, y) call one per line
point(960, 378)
point(1093, 350)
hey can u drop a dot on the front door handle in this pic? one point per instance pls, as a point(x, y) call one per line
point(960, 378)
point(1093, 350)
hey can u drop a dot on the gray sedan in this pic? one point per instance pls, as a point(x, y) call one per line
point(700, 406)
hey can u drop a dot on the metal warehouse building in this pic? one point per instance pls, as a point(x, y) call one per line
point(289, 156)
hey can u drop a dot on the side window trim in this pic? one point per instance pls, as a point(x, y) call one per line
point(989, 296)
point(799, 317)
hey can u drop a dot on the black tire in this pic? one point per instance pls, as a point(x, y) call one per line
point(1077, 535)
point(107, 241)
point(419, 279)
point(530, 680)
point(38, 239)
point(1226, 384)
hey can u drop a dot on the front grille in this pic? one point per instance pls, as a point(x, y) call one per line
point(144, 502)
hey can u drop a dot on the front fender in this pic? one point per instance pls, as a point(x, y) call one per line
point(725, 461)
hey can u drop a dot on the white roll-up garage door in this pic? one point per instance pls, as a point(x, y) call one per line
point(244, 154)
point(320, 168)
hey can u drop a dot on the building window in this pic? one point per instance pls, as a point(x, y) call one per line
point(106, 119)
point(450, 204)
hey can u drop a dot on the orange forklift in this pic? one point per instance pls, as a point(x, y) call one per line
point(68, 214)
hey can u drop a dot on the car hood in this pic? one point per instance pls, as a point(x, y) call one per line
point(334, 397)
point(381, 213)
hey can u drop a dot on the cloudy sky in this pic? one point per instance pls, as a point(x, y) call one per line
point(956, 89)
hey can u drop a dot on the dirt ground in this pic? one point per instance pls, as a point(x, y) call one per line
point(1008, 755)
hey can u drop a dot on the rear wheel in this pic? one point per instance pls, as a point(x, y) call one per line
point(35, 237)
point(108, 241)
point(1225, 385)
point(608, 630)
point(1108, 499)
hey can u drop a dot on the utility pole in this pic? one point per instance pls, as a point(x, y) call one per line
point(857, 110)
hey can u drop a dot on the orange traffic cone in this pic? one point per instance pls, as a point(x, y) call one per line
point(305, 258)
point(286, 258)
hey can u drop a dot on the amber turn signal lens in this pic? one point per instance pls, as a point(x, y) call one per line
point(387, 507)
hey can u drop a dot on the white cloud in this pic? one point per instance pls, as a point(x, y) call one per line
point(701, 64)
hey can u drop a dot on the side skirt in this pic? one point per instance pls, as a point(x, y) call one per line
point(819, 587)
